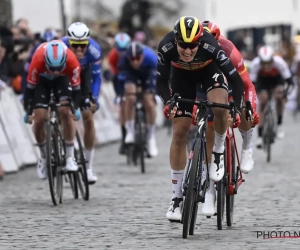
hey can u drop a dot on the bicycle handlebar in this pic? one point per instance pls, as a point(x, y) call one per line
point(200, 103)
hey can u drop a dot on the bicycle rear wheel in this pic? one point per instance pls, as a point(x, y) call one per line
point(191, 193)
point(221, 193)
point(230, 198)
point(72, 179)
point(81, 174)
point(53, 168)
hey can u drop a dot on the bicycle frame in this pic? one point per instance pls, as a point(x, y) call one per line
point(233, 182)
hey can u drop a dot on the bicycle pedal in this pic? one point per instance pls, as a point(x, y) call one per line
point(243, 180)
point(208, 217)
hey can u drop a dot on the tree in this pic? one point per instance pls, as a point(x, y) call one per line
point(6, 13)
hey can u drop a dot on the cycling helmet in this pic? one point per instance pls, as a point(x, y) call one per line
point(212, 28)
point(135, 50)
point(188, 29)
point(55, 55)
point(122, 41)
point(266, 54)
point(49, 35)
point(78, 31)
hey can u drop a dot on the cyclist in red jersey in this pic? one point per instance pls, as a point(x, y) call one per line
point(55, 68)
point(122, 41)
point(244, 126)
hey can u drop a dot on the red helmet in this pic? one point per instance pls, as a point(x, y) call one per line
point(212, 28)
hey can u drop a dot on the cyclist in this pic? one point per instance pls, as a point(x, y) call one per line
point(193, 55)
point(88, 53)
point(269, 71)
point(122, 40)
point(53, 66)
point(245, 128)
point(138, 68)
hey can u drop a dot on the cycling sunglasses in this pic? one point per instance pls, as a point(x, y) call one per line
point(185, 45)
point(59, 68)
point(135, 58)
point(79, 44)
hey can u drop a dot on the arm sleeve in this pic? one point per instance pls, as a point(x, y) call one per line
point(163, 73)
point(230, 72)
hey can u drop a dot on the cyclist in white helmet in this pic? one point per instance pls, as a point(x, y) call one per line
point(270, 72)
point(88, 53)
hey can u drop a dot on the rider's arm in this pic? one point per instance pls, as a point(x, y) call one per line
point(254, 69)
point(95, 52)
point(152, 60)
point(163, 72)
point(283, 69)
point(230, 72)
point(123, 68)
point(73, 71)
point(238, 62)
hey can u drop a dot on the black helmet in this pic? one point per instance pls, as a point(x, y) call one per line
point(188, 29)
point(135, 49)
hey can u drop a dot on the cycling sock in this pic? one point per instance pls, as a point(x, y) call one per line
point(151, 130)
point(279, 120)
point(260, 131)
point(69, 148)
point(89, 154)
point(129, 125)
point(123, 129)
point(247, 138)
point(219, 143)
point(42, 147)
point(177, 176)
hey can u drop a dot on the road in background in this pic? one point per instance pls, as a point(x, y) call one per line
point(127, 209)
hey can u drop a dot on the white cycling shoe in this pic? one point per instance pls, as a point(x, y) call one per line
point(216, 170)
point(129, 137)
point(247, 162)
point(71, 165)
point(174, 211)
point(152, 148)
point(91, 176)
point(42, 169)
point(208, 208)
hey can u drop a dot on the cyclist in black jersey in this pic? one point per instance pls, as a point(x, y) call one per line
point(194, 56)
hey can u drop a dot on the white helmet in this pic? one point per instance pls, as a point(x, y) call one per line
point(78, 31)
point(266, 53)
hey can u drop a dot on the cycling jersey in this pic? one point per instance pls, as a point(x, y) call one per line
point(237, 60)
point(92, 57)
point(279, 69)
point(146, 73)
point(113, 59)
point(38, 68)
point(208, 51)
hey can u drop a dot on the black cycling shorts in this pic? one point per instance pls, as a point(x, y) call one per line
point(268, 83)
point(148, 84)
point(61, 87)
point(86, 81)
point(184, 83)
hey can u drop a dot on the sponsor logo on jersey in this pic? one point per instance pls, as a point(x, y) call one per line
point(167, 47)
point(209, 47)
point(94, 51)
point(221, 56)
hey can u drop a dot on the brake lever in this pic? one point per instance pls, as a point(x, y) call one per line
point(173, 103)
point(249, 112)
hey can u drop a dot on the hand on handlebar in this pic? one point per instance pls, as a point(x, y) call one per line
point(237, 122)
point(169, 114)
point(28, 118)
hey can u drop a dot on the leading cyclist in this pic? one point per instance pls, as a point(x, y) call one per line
point(53, 67)
point(138, 69)
point(194, 56)
point(88, 52)
point(270, 72)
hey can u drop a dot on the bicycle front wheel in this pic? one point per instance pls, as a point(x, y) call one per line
point(230, 198)
point(191, 192)
point(221, 193)
point(140, 136)
point(54, 175)
point(81, 174)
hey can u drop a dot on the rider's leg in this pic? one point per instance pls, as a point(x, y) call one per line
point(280, 105)
point(183, 84)
point(150, 108)
point(130, 91)
point(42, 97)
point(263, 99)
point(247, 151)
point(62, 93)
point(122, 124)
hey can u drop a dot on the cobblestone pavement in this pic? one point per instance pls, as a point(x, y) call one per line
point(127, 209)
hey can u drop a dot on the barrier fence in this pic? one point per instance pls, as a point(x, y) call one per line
point(17, 142)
